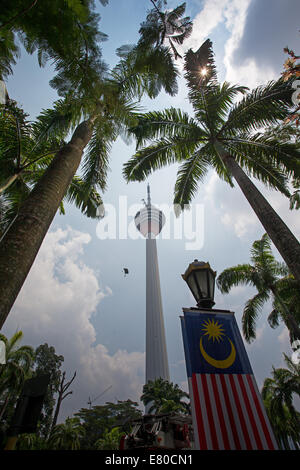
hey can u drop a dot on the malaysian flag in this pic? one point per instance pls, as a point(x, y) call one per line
point(227, 409)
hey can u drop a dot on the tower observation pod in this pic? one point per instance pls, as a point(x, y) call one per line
point(149, 221)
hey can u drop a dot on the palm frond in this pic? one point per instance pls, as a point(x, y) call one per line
point(15, 139)
point(160, 27)
point(161, 153)
point(225, 97)
point(167, 123)
point(259, 160)
point(13, 199)
point(178, 28)
point(218, 164)
point(212, 103)
point(146, 71)
point(9, 52)
point(56, 122)
point(274, 318)
point(95, 160)
point(261, 251)
point(85, 198)
point(262, 107)
point(251, 311)
point(200, 67)
point(231, 277)
point(190, 174)
point(262, 146)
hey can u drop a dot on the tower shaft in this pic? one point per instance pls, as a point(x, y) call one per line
point(156, 350)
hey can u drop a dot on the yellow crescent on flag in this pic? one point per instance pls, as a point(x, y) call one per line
point(219, 363)
point(214, 331)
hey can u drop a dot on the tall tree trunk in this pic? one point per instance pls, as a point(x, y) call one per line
point(285, 242)
point(22, 241)
point(61, 396)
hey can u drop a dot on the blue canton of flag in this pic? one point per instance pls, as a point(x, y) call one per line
point(215, 344)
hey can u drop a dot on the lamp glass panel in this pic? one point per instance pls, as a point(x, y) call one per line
point(193, 286)
point(211, 284)
point(202, 282)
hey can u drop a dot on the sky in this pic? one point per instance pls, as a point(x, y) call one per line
point(76, 297)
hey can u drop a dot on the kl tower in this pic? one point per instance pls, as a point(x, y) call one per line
point(149, 221)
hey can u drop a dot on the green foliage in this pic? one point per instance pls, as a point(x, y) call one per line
point(169, 26)
point(31, 442)
point(271, 278)
point(26, 151)
point(19, 360)
point(48, 362)
point(64, 32)
point(145, 70)
point(278, 393)
point(66, 436)
point(102, 419)
point(110, 440)
point(221, 126)
point(164, 397)
point(18, 368)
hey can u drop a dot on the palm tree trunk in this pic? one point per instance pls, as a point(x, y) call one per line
point(285, 242)
point(22, 241)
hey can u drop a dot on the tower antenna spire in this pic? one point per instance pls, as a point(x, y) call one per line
point(148, 195)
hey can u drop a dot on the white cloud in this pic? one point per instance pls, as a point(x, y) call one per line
point(230, 207)
point(231, 14)
point(241, 222)
point(56, 305)
point(284, 339)
point(261, 332)
point(248, 73)
point(205, 22)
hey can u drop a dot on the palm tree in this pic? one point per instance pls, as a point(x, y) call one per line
point(169, 26)
point(26, 150)
point(223, 136)
point(105, 104)
point(164, 397)
point(50, 27)
point(66, 436)
point(278, 394)
point(264, 273)
point(13, 373)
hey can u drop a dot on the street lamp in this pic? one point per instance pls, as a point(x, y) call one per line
point(201, 280)
point(220, 376)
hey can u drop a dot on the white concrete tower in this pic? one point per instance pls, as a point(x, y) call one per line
point(149, 221)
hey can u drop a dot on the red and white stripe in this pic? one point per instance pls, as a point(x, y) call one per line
point(228, 413)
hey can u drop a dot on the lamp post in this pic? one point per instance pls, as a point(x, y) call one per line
point(201, 280)
point(227, 410)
